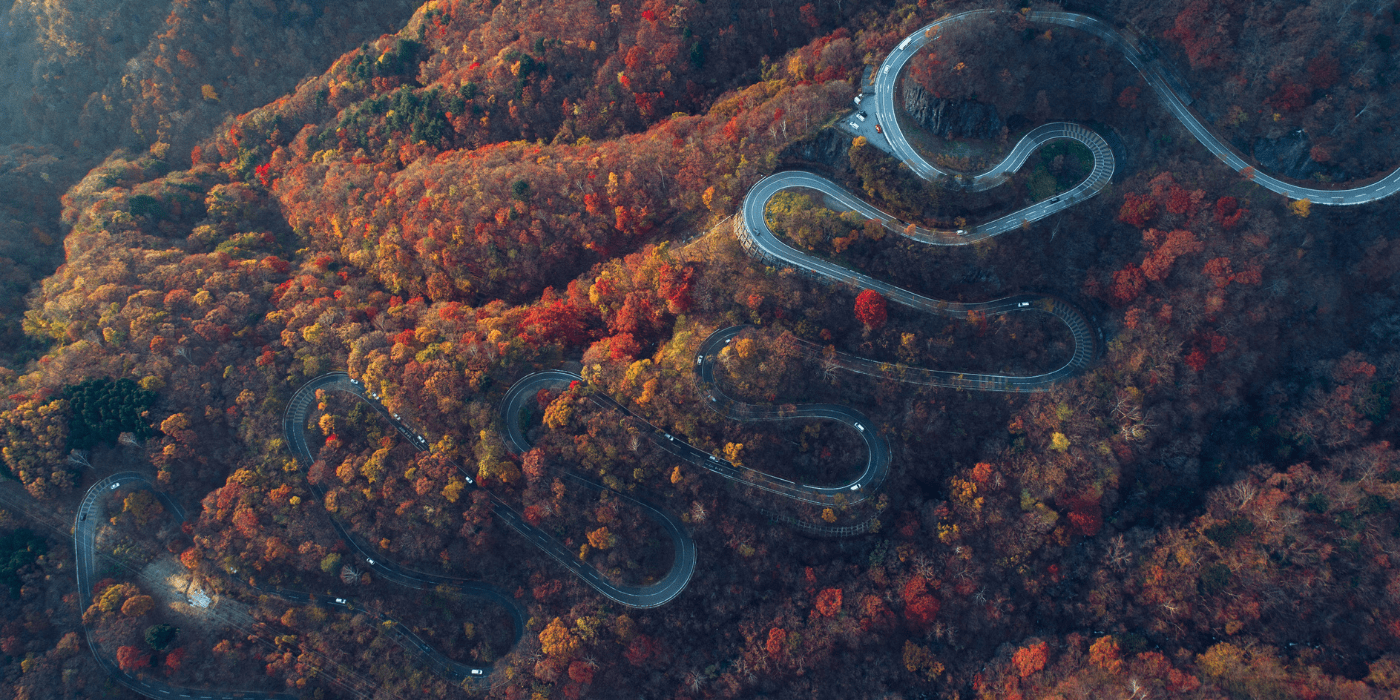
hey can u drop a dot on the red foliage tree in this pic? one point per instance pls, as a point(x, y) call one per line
point(1128, 283)
point(623, 347)
point(1200, 31)
point(1289, 98)
point(1196, 360)
point(870, 309)
point(919, 607)
point(132, 658)
point(1170, 246)
point(581, 672)
point(1228, 212)
point(828, 602)
point(1086, 516)
point(777, 642)
point(1030, 659)
point(640, 650)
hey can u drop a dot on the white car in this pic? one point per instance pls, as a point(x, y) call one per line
point(340, 600)
point(962, 232)
point(1023, 305)
point(860, 116)
point(858, 97)
point(860, 427)
point(371, 561)
point(114, 486)
point(478, 672)
point(854, 125)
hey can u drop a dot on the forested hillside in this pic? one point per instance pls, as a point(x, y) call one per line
point(441, 200)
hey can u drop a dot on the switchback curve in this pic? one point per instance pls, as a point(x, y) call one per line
point(857, 490)
point(760, 241)
point(1152, 70)
point(649, 596)
point(84, 550)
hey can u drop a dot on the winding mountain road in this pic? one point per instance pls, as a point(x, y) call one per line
point(90, 513)
point(1157, 76)
point(648, 596)
point(855, 491)
point(760, 241)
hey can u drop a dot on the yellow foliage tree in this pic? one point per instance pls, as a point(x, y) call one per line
point(374, 466)
point(556, 639)
point(744, 347)
point(453, 490)
point(732, 450)
point(142, 506)
point(1300, 208)
point(558, 413)
point(601, 539)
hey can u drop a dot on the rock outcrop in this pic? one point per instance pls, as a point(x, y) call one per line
point(951, 118)
point(828, 147)
point(1287, 155)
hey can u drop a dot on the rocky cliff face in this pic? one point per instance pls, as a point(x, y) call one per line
point(1287, 155)
point(951, 118)
point(828, 147)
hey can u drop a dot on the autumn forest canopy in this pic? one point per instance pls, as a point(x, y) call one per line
point(206, 205)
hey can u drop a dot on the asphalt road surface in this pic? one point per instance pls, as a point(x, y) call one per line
point(90, 513)
point(650, 596)
point(878, 451)
point(683, 563)
point(760, 240)
point(1157, 75)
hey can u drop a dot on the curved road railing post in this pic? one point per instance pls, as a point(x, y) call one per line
point(649, 596)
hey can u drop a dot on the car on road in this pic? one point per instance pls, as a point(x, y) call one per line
point(1023, 305)
point(860, 427)
point(82, 517)
point(371, 561)
point(1054, 199)
point(340, 601)
point(962, 232)
point(478, 672)
point(114, 486)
